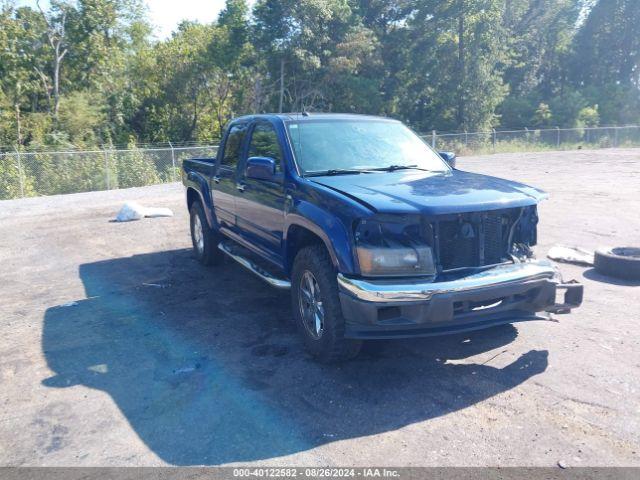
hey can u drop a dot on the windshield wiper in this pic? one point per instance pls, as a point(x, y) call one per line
point(334, 171)
point(393, 168)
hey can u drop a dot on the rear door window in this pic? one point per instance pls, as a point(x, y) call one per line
point(233, 146)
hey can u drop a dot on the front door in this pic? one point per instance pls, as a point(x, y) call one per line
point(223, 183)
point(260, 203)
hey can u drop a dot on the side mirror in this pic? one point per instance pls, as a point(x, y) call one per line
point(449, 157)
point(261, 168)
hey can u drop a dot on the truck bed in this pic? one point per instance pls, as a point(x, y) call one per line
point(204, 166)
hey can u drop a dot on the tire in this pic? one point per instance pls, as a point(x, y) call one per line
point(327, 344)
point(204, 239)
point(618, 262)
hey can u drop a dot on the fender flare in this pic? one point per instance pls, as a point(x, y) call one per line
point(329, 229)
point(199, 184)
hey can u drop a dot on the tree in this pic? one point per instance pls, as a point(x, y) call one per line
point(304, 42)
point(454, 68)
point(56, 30)
point(543, 116)
point(607, 47)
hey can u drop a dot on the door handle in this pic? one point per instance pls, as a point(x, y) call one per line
point(240, 186)
point(216, 179)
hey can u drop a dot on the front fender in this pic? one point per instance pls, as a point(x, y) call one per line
point(329, 228)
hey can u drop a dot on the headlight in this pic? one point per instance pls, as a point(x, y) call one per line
point(392, 248)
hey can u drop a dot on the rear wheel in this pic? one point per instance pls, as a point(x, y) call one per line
point(316, 307)
point(205, 240)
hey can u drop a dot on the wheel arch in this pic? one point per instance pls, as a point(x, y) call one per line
point(198, 192)
point(301, 232)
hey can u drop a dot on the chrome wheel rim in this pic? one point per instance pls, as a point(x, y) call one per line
point(311, 306)
point(198, 234)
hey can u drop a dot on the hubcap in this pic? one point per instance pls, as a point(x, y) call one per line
point(198, 235)
point(311, 307)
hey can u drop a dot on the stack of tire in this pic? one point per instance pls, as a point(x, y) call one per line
point(621, 262)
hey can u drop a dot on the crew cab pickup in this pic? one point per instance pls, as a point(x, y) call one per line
point(376, 234)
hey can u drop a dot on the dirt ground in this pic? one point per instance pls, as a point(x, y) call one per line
point(117, 348)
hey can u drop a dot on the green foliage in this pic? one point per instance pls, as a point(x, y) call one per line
point(56, 173)
point(543, 116)
point(13, 181)
point(134, 169)
point(437, 64)
point(589, 117)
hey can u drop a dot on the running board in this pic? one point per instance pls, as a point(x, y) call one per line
point(252, 267)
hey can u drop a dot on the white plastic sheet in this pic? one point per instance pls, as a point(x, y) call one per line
point(578, 256)
point(134, 211)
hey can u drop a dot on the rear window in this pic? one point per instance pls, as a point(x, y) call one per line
point(233, 146)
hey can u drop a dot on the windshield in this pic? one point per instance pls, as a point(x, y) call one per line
point(353, 145)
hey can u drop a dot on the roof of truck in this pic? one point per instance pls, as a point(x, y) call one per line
point(310, 116)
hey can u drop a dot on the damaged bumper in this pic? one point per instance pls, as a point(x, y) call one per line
point(510, 293)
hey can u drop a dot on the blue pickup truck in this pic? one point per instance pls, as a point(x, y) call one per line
point(377, 235)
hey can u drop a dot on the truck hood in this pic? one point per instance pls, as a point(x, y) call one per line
point(432, 193)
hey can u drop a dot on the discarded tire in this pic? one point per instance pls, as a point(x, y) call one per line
point(622, 262)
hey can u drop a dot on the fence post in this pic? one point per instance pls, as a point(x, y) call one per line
point(526, 135)
point(173, 162)
point(615, 137)
point(106, 169)
point(433, 139)
point(587, 134)
point(20, 176)
point(466, 138)
point(493, 131)
point(558, 137)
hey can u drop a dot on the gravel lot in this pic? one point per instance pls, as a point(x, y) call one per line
point(162, 361)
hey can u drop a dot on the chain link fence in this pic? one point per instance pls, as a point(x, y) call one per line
point(528, 140)
point(28, 174)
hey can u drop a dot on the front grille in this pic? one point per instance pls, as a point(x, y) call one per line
point(494, 247)
point(455, 250)
point(474, 239)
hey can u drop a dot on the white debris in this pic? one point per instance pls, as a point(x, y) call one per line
point(130, 211)
point(134, 211)
point(579, 256)
point(69, 304)
point(153, 212)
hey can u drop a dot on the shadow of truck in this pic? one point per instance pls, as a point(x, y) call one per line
point(207, 368)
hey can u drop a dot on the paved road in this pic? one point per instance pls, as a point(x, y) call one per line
point(161, 361)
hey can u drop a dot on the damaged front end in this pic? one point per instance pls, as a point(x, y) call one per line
point(427, 276)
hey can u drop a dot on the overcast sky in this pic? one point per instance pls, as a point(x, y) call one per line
point(165, 15)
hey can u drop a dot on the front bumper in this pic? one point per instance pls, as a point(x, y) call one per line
point(503, 294)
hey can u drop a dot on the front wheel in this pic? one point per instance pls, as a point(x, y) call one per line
point(205, 240)
point(316, 307)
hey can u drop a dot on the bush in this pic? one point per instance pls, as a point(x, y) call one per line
point(134, 169)
point(57, 173)
point(10, 179)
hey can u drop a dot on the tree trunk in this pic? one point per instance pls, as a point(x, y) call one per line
point(461, 66)
point(56, 79)
point(18, 124)
point(281, 84)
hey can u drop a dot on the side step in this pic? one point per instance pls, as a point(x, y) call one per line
point(252, 267)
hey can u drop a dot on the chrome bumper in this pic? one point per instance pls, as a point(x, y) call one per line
point(395, 290)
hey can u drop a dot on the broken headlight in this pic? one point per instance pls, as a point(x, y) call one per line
point(393, 247)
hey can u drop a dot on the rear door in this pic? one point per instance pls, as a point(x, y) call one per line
point(223, 183)
point(260, 203)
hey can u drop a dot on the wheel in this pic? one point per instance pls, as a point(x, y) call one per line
point(316, 307)
point(618, 262)
point(205, 241)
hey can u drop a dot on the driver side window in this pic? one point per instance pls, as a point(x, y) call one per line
point(264, 143)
